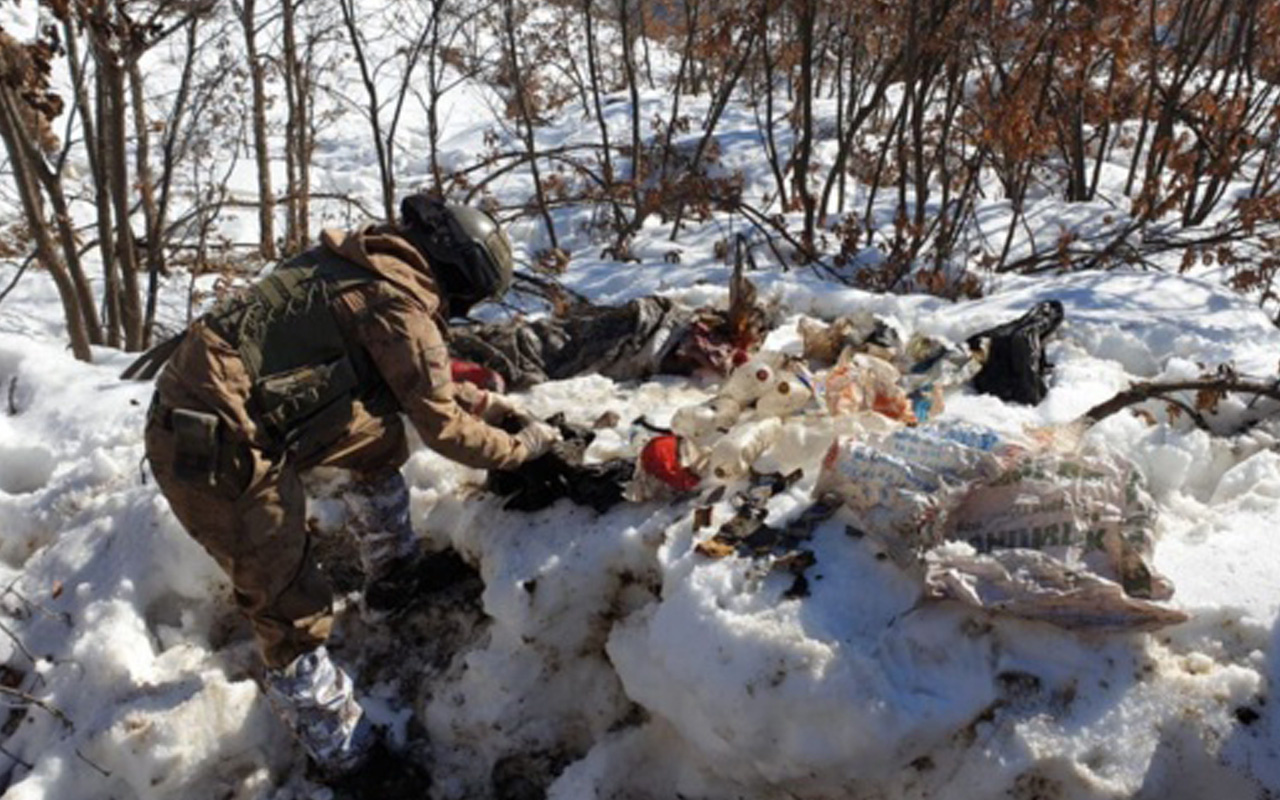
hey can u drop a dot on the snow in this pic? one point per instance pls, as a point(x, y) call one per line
point(604, 656)
point(857, 689)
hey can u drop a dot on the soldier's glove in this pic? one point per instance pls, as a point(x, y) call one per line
point(537, 438)
point(498, 408)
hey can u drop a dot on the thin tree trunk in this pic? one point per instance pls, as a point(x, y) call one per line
point(526, 116)
point(52, 183)
point(146, 190)
point(633, 89)
point(14, 132)
point(852, 127)
point(433, 89)
point(112, 301)
point(305, 87)
point(293, 134)
point(88, 306)
point(386, 170)
point(745, 45)
point(686, 54)
point(127, 252)
point(771, 145)
point(593, 70)
point(261, 152)
point(804, 145)
point(169, 164)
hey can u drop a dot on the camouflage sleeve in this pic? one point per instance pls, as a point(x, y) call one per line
point(409, 351)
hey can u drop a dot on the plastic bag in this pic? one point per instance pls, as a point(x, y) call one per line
point(1035, 585)
point(1089, 511)
point(1042, 529)
point(732, 456)
point(865, 383)
point(860, 331)
point(905, 483)
point(665, 466)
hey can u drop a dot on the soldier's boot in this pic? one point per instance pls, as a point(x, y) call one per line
point(316, 698)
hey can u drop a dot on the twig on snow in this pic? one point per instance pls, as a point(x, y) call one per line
point(17, 759)
point(10, 590)
point(53, 710)
point(17, 642)
point(1141, 392)
point(103, 772)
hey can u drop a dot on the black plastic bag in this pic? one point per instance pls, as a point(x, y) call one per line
point(1016, 367)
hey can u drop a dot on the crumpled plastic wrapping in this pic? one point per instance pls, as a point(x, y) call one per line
point(904, 482)
point(861, 382)
point(1036, 529)
point(1040, 527)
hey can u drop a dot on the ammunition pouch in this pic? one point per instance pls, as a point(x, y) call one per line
point(202, 452)
point(291, 402)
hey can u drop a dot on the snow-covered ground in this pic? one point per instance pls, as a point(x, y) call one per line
point(604, 657)
point(609, 648)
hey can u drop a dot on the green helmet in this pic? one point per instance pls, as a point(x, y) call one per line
point(469, 253)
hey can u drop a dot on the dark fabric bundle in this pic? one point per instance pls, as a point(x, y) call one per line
point(560, 472)
point(624, 342)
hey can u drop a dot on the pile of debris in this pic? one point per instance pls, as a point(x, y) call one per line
point(1038, 525)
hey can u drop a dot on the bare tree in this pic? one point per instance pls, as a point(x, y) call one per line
point(26, 106)
point(406, 59)
point(246, 12)
point(524, 108)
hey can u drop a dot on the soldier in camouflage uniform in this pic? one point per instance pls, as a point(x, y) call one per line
point(314, 366)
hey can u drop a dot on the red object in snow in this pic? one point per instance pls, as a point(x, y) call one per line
point(482, 377)
point(661, 459)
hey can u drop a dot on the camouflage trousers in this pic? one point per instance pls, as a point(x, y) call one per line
point(251, 517)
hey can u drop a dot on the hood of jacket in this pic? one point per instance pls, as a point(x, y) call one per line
point(382, 250)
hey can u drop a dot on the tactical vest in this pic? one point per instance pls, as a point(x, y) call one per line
point(304, 373)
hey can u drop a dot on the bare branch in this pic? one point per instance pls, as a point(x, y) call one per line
point(1141, 392)
point(53, 710)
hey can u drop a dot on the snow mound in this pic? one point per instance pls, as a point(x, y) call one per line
point(604, 656)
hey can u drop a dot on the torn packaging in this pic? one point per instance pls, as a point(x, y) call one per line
point(861, 382)
point(1035, 585)
point(746, 534)
point(662, 459)
point(1090, 511)
point(860, 332)
point(1065, 537)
